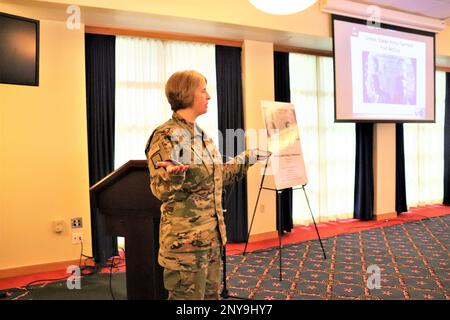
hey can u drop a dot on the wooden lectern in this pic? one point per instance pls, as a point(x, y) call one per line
point(130, 210)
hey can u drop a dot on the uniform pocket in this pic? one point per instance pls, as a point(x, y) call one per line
point(172, 279)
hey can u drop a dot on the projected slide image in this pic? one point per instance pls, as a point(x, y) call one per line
point(383, 73)
point(389, 79)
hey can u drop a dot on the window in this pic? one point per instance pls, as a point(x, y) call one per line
point(328, 147)
point(142, 69)
point(424, 155)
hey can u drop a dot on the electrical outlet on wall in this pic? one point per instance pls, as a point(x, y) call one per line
point(76, 222)
point(77, 237)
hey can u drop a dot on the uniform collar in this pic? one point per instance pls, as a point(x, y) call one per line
point(193, 128)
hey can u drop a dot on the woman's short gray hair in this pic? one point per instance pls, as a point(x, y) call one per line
point(180, 88)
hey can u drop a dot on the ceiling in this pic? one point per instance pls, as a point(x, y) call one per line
point(142, 21)
point(430, 8)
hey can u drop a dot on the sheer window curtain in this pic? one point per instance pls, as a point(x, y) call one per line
point(424, 155)
point(142, 69)
point(328, 147)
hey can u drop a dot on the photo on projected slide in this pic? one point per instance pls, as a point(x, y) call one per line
point(389, 79)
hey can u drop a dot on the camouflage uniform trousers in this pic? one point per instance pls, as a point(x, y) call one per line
point(200, 284)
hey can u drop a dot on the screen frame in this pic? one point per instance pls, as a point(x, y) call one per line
point(335, 17)
point(36, 23)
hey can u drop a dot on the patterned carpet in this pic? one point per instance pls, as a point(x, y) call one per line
point(413, 260)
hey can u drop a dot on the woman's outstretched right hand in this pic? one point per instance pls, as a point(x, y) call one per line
point(172, 168)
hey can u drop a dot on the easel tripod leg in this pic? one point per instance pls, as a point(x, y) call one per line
point(279, 228)
point(256, 206)
point(315, 226)
point(224, 293)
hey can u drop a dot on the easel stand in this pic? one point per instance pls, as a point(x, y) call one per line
point(224, 294)
point(279, 192)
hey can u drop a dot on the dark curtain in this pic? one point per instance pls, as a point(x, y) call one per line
point(100, 96)
point(447, 142)
point(231, 116)
point(363, 204)
point(400, 187)
point(283, 94)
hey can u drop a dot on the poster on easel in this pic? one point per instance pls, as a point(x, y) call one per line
point(287, 164)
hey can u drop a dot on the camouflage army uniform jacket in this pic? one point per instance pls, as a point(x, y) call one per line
point(191, 214)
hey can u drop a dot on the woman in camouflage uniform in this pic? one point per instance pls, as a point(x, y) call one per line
point(187, 175)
